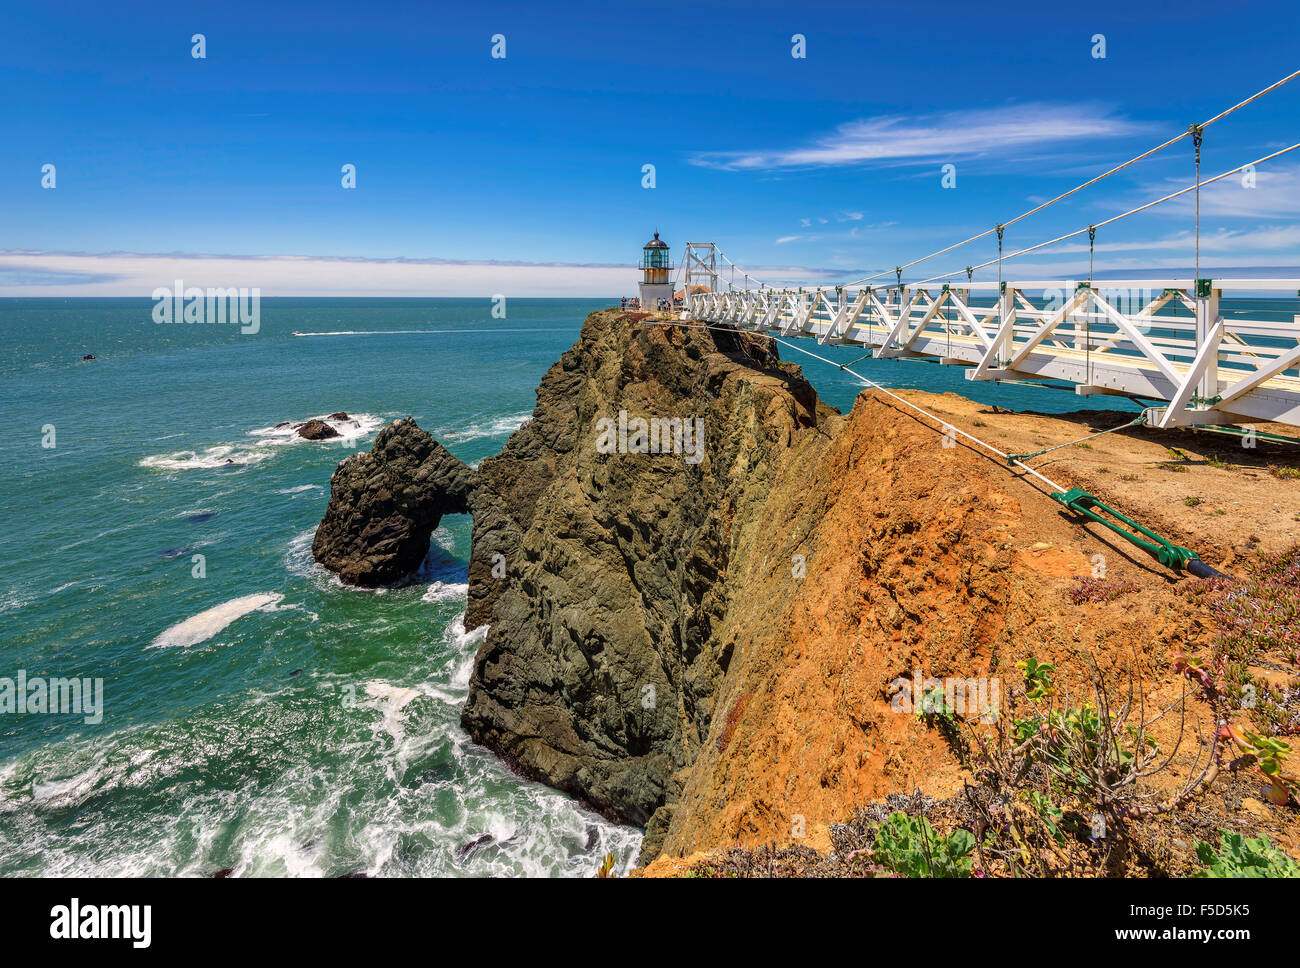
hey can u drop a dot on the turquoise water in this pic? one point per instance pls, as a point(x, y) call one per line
point(316, 733)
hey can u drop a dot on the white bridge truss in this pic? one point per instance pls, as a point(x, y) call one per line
point(1159, 340)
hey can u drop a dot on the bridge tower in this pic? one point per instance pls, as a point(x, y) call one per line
point(656, 273)
point(701, 266)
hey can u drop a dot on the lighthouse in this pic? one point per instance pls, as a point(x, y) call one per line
point(656, 274)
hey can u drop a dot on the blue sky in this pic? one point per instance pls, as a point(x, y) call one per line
point(827, 166)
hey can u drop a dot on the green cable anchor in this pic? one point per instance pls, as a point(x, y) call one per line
point(1169, 554)
point(1012, 458)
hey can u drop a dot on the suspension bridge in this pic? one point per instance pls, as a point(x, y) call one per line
point(1166, 343)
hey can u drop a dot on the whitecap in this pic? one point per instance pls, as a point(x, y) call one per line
point(491, 427)
point(445, 592)
point(223, 455)
point(357, 425)
point(461, 638)
point(263, 446)
point(201, 627)
point(369, 332)
point(392, 700)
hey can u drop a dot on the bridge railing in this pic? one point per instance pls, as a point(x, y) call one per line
point(1162, 339)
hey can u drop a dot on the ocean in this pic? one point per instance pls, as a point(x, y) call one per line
point(257, 714)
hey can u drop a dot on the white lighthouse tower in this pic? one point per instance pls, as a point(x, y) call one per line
point(656, 274)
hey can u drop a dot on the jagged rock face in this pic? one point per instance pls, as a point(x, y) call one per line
point(603, 575)
point(385, 504)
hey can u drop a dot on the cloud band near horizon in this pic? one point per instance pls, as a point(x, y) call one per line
point(61, 274)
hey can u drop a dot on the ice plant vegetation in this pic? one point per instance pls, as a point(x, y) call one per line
point(1059, 782)
point(1093, 590)
point(909, 846)
point(1239, 856)
point(1257, 626)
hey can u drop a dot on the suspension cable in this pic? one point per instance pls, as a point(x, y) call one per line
point(733, 265)
point(1087, 317)
point(1137, 421)
point(1092, 181)
point(1197, 132)
point(1116, 218)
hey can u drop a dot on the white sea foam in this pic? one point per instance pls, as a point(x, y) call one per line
point(427, 792)
point(371, 332)
point(292, 607)
point(201, 627)
point(477, 332)
point(461, 638)
point(68, 792)
point(263, 446)
point(392, 700)
point(398, 696)
point(441, 591)
point(491, 427)
point(356, 426)
point(222, 455)
point(301, 488)
point(464, 646)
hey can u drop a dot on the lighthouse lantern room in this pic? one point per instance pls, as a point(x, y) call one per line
point(656, 274)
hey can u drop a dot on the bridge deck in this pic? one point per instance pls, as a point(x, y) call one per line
point(1161, 340)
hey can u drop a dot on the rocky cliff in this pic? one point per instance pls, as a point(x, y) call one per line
point(604, 576)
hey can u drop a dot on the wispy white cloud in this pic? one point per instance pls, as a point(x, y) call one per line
point(1273, 191)
point(956, 134)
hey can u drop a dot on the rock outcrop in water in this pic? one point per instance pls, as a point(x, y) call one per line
point(316, 430)
point(385, 504)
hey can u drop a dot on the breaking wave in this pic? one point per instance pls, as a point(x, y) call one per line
point(264, 445)
point(406, 793)
point(492, 427)
point(199, 628)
